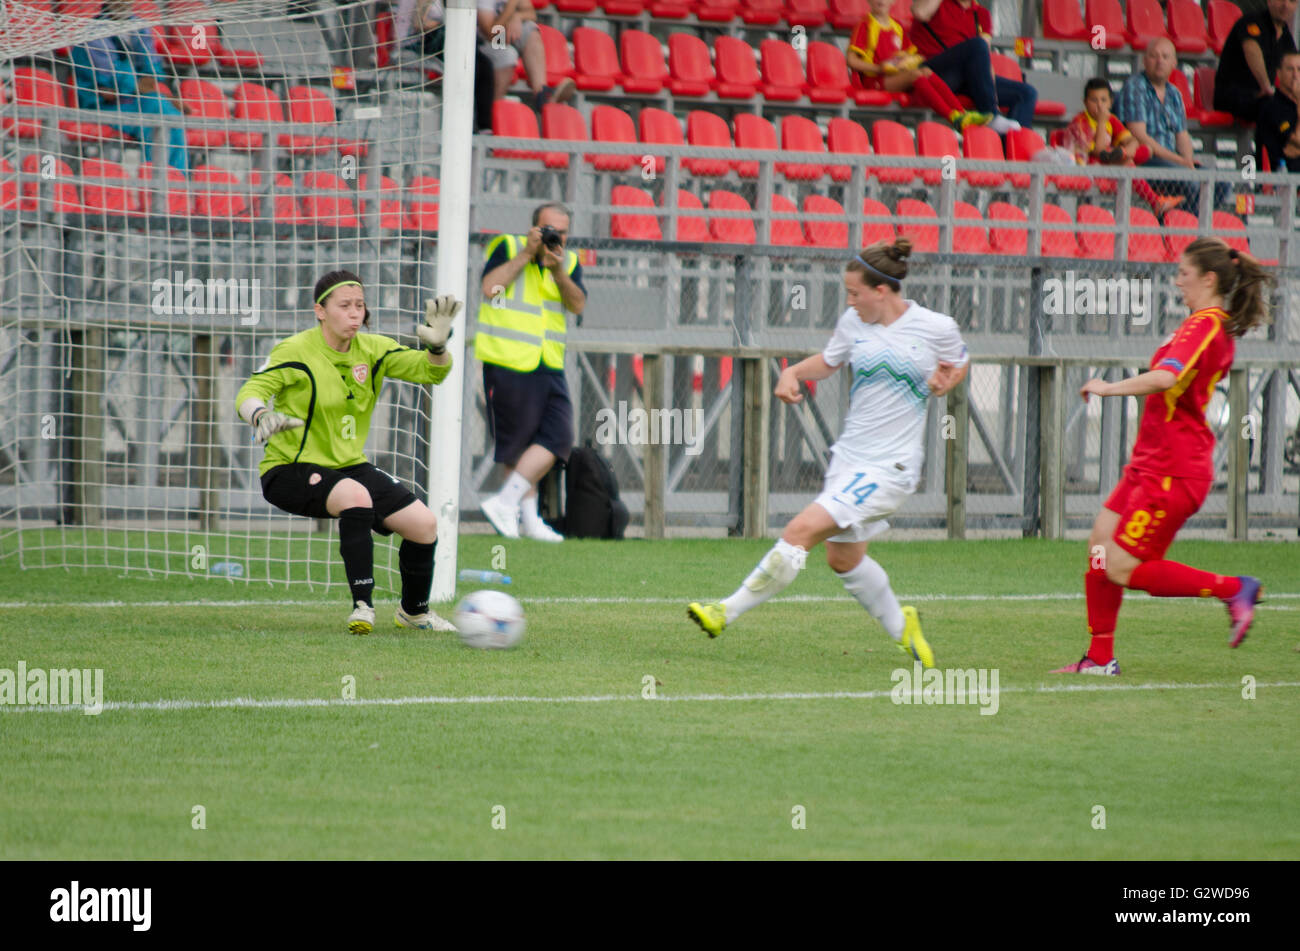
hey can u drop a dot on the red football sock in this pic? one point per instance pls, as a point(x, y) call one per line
point(1103, 598)
point(1145, 192)
point(935, 94)
point(1169, 579)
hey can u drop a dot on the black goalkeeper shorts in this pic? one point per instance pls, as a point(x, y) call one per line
point(301, 488)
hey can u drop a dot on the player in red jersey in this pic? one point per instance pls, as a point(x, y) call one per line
point(1172, 467)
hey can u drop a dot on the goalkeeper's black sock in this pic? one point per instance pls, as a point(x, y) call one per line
point(357, 547)
point(416, 564)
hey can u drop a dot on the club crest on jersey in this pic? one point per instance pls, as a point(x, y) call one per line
point(360, 372)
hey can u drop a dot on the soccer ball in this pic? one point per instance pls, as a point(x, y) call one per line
point(489, 619)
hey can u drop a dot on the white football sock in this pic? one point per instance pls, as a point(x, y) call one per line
point(870, 585)
point(528, 516)
point(512, 493)
point(774, 573)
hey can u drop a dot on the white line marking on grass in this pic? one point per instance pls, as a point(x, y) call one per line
point(814, 598)
point(249, 703)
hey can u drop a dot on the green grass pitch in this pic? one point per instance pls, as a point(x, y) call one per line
point(1183, 765)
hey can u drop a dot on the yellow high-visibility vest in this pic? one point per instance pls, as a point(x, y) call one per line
point(528, 328)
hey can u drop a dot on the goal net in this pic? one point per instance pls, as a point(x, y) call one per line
point(176, 176)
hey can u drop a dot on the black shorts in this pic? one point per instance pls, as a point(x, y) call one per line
point(527, 408)
point(291, 488)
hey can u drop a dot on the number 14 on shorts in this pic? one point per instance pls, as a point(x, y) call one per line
point(857, 492)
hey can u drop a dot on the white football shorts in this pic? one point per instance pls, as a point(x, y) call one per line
point(859, 499)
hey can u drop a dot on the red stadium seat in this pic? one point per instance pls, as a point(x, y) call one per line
point(669, 9)
point(689, 68)
point(644, 68)
point(66, 199)
point(892, 139)
point(806, 13)
point(969, 239)
point(514, 120)
point(310, 107)
point(781, 71)
point(8, 186)
point(561, 122)
point(689, 227)
point(1059, 233)
point(102, 198)
point(1204, 100)
point(846, 137)
point(786, 232)
point(621, 8)
point(1107, 15)
point(595, 60)
point(204, 100)
point(739, 230)
point(1096, 245)
point(254, 103)
point(825, 234)
point(762, 12)
point(1062, 20)
point(187, 47)
point(32, 87)
point(284, 205)
point(983, 144)
point(559, 66)
point(1008, 68)
point(877, 222)
point(1187, 223)
point(799, 134)
point(1023, 145)
point(737, 72)
point(752, 132)
point(633, 227)
point(934, 140)
point(575, 6)
point(1186, 26)
point(716, 11)
point(179, 203)
point(1146, 22)
point(222, 197)
point(609, 124)
point(331, 210)
point(423, 196)
point(707, 130)
point(658, 126)
point(924, 238)
point(828, 75)
point(1145, 242)
point(1007, 239)
point(1220, 17)
point(846, 14)
point(1231, 229)
point(1190, 109)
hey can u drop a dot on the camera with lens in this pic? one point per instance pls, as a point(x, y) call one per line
point(551, 239)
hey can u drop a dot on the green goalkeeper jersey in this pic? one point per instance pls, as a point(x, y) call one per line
point(333, 393)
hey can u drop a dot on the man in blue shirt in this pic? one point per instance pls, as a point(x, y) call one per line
point(122, 73)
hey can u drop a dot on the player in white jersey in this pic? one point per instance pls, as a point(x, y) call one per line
point(899, 354)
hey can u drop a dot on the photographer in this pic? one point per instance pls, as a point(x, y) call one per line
point(530, 283)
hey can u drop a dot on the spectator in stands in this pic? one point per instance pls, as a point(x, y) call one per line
point(529, 284)
point(1152, 109)
point(881, 56)
point(122, 73)
point(1277, 127)
point(429, 34)
point(508, 33)
point(1098, 138)
point(953, 36)
point(1250, 59)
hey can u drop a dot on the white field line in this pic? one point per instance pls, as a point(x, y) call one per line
point(249, 703)
point(251, 603)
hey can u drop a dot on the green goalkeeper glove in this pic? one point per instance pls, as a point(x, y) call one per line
point(268, 422)
point(438, 316)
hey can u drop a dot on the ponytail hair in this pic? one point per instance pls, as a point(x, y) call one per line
point(1241, 281)
point(882, 264)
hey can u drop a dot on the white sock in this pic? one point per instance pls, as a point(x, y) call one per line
point(870, 585)
point(1002, 125)
point(774, 573)
point(528, 516)
point(513, 491)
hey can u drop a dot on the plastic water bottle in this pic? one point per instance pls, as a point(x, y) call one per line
point(231, 569)
point(490, 577)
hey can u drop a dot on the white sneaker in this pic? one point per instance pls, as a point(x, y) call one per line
point(503, 518)
point(362, 619)
point(541, 532)
point(428, 621)
point(1002, 125)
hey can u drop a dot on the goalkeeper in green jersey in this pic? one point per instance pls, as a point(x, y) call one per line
point(324, 383)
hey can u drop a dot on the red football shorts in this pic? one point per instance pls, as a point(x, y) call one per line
point(1152, 508)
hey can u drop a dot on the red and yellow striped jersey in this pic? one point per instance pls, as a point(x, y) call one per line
point(1173, 437)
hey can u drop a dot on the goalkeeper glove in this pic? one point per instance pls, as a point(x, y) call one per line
point(268, 422)
point(438, 316)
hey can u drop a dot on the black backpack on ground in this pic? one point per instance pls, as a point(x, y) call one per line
point(592, 506)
